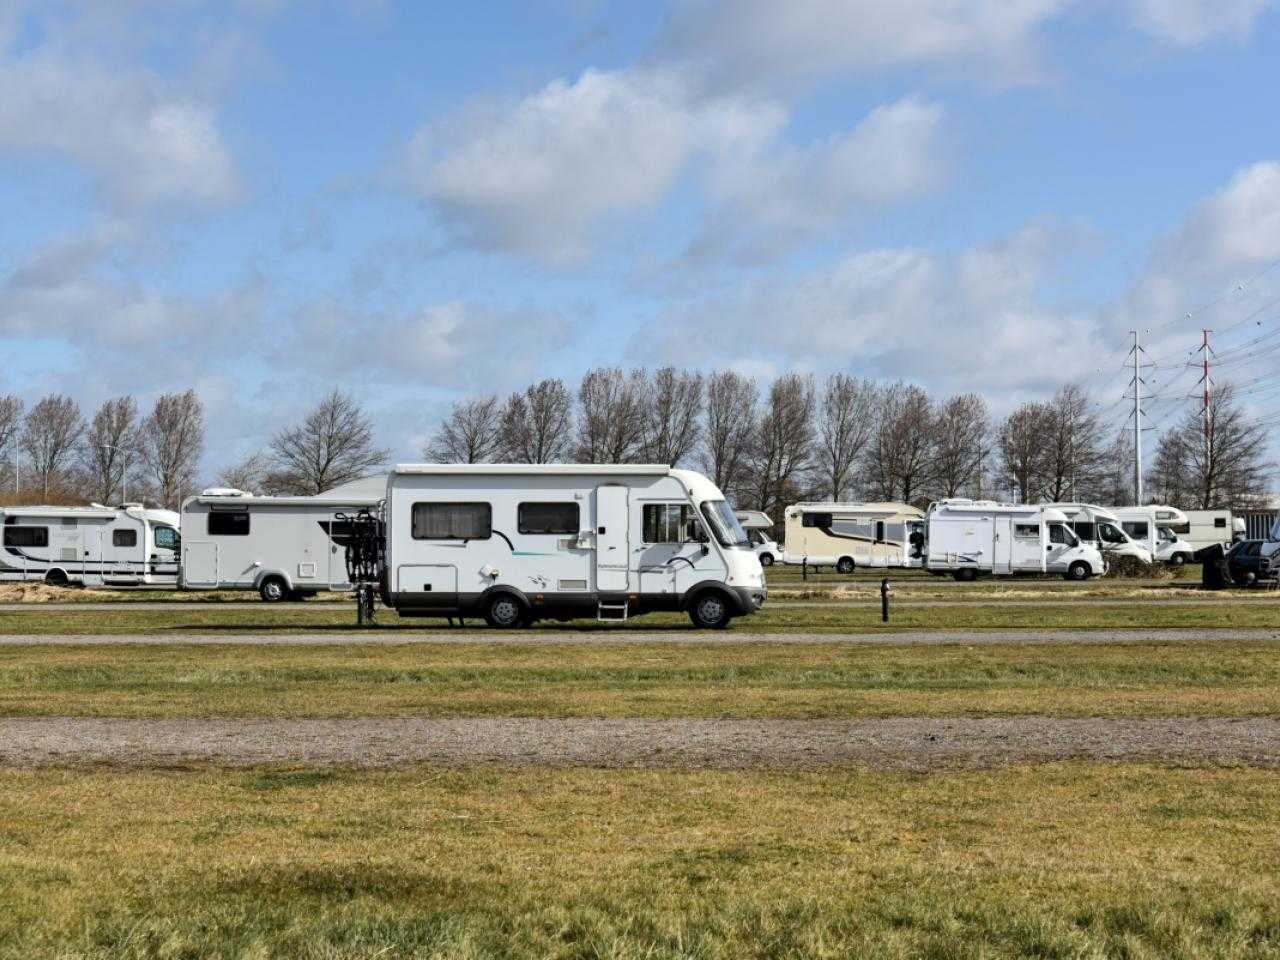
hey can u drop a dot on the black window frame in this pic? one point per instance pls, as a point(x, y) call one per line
point(230, 532)
point(130, 534)
point(12, 528)
point(565, 528)
point(812, 519)
point(413, 518)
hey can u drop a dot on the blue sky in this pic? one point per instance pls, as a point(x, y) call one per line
point(421, 201)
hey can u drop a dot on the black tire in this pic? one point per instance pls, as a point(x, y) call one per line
point(766, 559)
point(1178, 560)
point(711, 611)
point(1079, 571)
point(56, 578)
point(273, 590)
point(845, 565)
point(966, 575)
point(504, 612)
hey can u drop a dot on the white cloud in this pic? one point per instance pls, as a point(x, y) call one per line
point(1188, 23)
point(1237, 227)
point(763, 43)
point(144, 144)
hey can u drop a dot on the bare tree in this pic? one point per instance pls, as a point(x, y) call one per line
point(1114, 484)
point(172, 442)
point(110, 449)
point(333, 445)
point(469, 434)
point(672, 416)
point(960, 443)
point(11, 407)
point(783, 448)
point(250, 474)
point(729, 428)
point(535, 425)
point(902, 445)
point(50, 433)
point(1074, 457)
point(846, 419)
point(1227, 469)
point(1023, 442)
point(613, 409)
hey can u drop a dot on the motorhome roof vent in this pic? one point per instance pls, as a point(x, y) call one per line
point(223, 492)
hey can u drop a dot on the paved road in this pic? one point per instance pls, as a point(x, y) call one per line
point(676, 635)
point(897, 742)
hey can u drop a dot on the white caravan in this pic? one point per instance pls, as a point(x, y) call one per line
point(970, 537)
point(95, 546)
point(1208, 527)
point(851, 535)
point(517, 543)
point(1103, 527)
point(759, 525)
point(1153, 528)
point(286, 548)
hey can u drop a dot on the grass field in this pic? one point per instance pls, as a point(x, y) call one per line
point(1222, 678)
point(1068, 860)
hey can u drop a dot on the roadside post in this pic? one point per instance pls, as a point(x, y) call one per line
point(884, 600)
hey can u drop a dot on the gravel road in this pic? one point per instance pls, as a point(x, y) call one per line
point(682, 635)
point(894, 743)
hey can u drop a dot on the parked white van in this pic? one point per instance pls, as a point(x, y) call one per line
point(128, 545)
point(971, 537)
point(516, 543)
point(1152, 527)
point(851, 535)
point(1103, 527)
point(759, 525)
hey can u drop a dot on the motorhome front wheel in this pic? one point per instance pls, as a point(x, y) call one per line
point(766, 560)
point(710, 612)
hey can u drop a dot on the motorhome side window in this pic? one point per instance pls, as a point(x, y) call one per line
point(547, 518)
point(228, 523)
point(124, 538)
point(452, 521)
point(1136, 529)
point(666, 522)
point(815, 520)
point(26, 536)
point(1028, 531)
point(1219, 521)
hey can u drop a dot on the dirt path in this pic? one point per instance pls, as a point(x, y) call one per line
point(676, 635)
point(896, 743)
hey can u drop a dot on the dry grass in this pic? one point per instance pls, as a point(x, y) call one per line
point(1224, 678)
point(1069, 860)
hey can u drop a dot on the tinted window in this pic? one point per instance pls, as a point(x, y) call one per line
point(547, 518)
point(26, 536)
point(229, 523)
point(1084, 528)
point(1219, 521)
point(452, 521)
point(666, 522)
point(167, 538)
point(815, 520)
point(124, 538)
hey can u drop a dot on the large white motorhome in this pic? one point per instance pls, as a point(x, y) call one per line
point(1103, 527)
point(286, 548)
point(1205, 528)
point(1153, 528)
point(516, 543)
point(759, 526)
point(971, 537)
point(851, 535)
point(95, 546)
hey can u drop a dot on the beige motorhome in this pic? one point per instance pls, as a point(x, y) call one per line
point(851, 535)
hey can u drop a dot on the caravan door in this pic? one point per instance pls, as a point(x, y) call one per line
point(200, 563)
point(613, 544)
point(120, 548)
point(1002, 544)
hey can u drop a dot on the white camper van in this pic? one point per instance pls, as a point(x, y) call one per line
point(1152, 527)
point(970, 537)
point(1208, 527)
point(851, 535)
point(1102, 526)
point(286, 548)
point(95, 546)
point(759, 526)
point(521, 542)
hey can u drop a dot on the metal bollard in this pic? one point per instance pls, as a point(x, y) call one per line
point(804, 568)
point(884, 600)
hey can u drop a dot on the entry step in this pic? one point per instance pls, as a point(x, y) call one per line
point(616, 611)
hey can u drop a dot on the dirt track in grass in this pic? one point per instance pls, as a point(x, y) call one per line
point(909, 743)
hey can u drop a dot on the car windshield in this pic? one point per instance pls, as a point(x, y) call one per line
point(724, 524)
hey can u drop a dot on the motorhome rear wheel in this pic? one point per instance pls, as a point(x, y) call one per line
point(966, 575)
point(273, 590)
point(844, 565)
point(504, 612)
point(710, 611)
point(56, 578)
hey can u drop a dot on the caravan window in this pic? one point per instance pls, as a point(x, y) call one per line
point(666, 522)
point(228, 523)
point(26, 536)
point(124, 538)
point(1027, 531)
point(547, 518)
point(452, 521)
point(815, 520)
point(167, 538)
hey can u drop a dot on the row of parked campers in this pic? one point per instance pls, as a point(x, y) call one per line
point(970, 537)
point(511, 543)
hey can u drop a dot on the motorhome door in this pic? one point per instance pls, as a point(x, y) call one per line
point(612, 540)
point(339, 531)
point(120, 548)
point(200, 563)
point(1002, 544)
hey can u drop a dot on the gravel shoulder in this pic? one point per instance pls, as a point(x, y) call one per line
point(551, 637)
point(907, 743)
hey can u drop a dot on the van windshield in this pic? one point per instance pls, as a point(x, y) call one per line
point(724, 524)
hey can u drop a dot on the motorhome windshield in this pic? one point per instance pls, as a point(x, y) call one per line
point(724, 524)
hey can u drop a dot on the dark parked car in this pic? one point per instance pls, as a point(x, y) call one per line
point(1246, 563)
